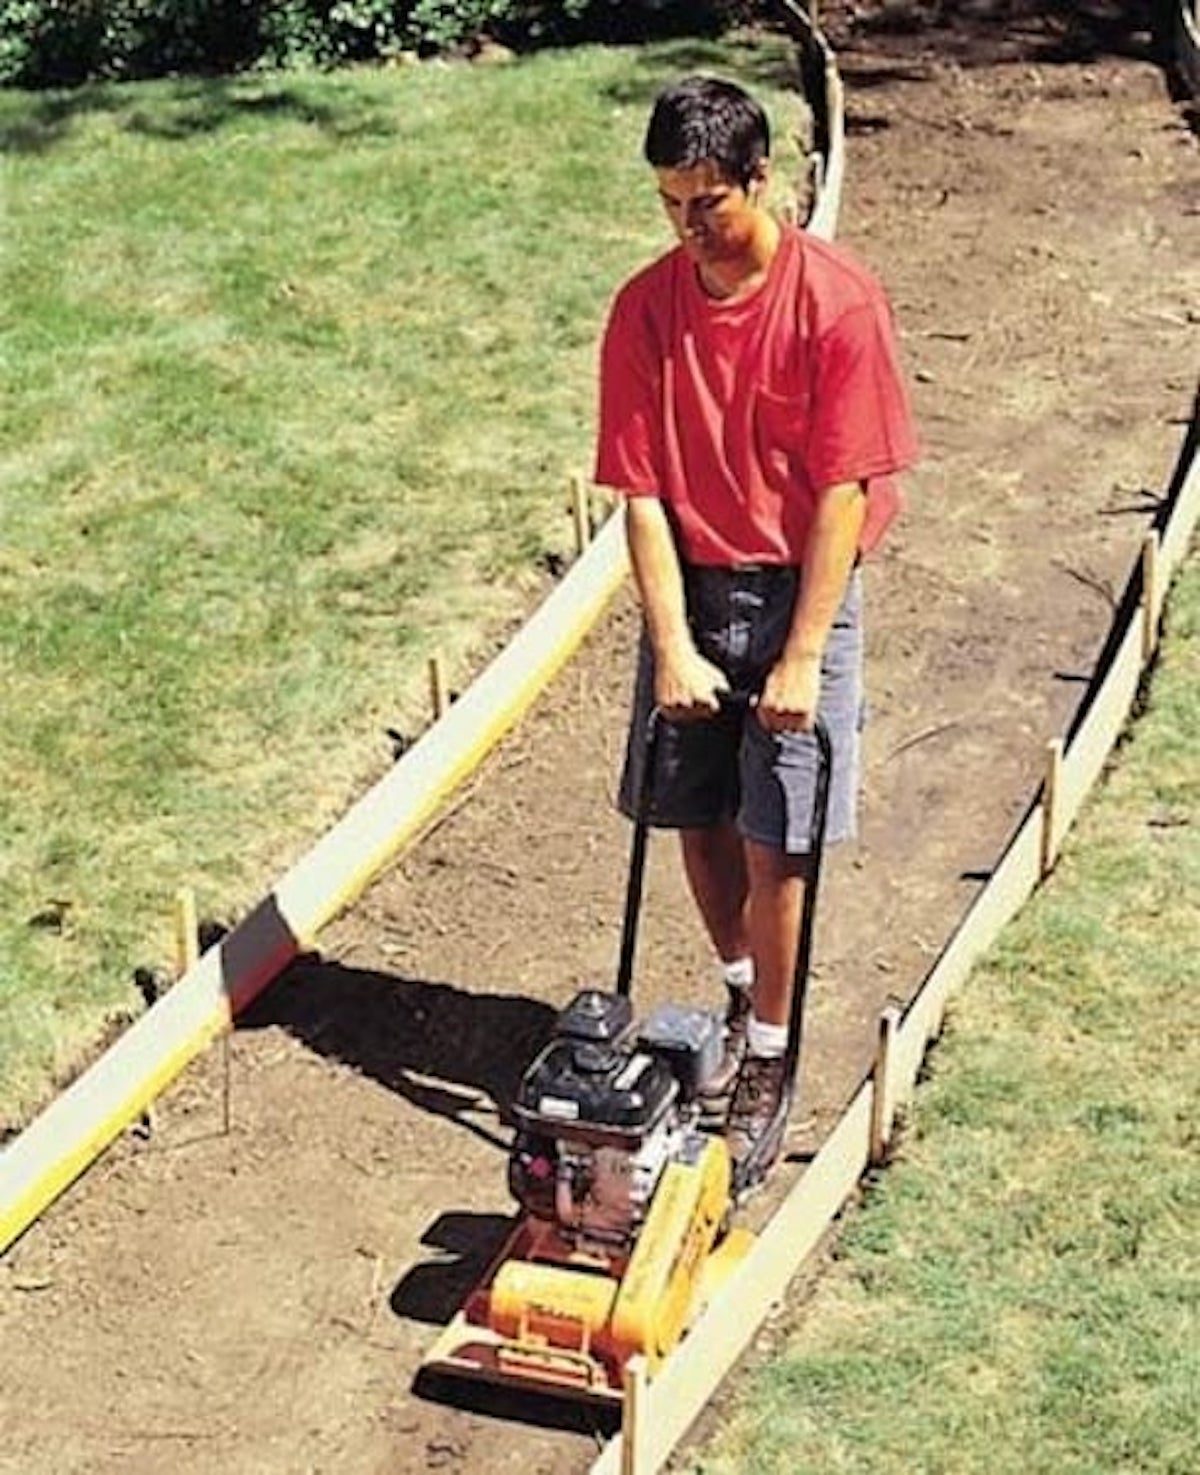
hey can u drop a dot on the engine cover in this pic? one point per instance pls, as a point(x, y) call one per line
point(603, 1110)
point(595, 1093)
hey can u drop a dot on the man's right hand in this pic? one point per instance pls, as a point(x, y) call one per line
point(687, 687)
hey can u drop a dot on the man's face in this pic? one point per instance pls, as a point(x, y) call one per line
point(714, 218)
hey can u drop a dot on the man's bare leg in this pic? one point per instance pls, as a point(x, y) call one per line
point(774, 900)
point(714, 860)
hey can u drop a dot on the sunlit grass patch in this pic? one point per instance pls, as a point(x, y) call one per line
point(1020, 1290)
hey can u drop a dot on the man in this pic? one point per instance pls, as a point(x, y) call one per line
point(752, 414)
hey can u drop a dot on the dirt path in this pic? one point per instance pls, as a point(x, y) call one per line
point(258, 1301)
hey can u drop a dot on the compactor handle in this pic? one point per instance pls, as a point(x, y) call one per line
point(637, 855)
point(740, 701)
point(808, 912)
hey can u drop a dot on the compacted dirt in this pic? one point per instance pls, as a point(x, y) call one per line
point(258, 1300)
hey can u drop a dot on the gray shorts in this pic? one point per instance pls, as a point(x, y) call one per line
point(729, 767)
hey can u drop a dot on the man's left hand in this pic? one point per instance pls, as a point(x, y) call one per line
point(789, 698)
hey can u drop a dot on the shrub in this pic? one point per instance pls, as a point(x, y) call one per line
point(46, 43)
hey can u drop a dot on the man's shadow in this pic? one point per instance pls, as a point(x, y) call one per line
point(454, 1053)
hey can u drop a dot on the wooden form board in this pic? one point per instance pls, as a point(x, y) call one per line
point(1182, 520)
point(823, 220)
point(671, 1403)
point(1185, 42)
point(1084, 759)
point(59, 1144)
point(802, 27)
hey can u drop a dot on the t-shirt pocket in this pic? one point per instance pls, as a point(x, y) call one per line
point(781, 426)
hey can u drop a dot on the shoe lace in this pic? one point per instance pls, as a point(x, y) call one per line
point(759, 1080)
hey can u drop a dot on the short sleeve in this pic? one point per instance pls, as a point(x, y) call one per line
point(629, 441)
point(861, 425)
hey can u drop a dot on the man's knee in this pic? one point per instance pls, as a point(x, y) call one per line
point(772, 865)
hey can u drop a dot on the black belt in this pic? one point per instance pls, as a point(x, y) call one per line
point(740, 568)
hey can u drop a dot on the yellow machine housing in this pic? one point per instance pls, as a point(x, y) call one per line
point(554, 1319)
point(661, 1281)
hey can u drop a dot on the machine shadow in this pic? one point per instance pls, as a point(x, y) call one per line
point(432, 1291)
point(452, 1053)
point(514, 1405)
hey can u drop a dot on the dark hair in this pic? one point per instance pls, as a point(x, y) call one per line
point(704, 118)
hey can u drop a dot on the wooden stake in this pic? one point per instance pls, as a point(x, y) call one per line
point(599, 509)
point(633, 1420)
point(1150, 608)
point(579, 514)
point(187, 937)
point(1050, 792)
point(883, 1097)
point(438, 698)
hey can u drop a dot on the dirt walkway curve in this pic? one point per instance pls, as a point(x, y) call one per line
point(258, 1301)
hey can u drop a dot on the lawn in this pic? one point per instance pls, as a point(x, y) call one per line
point(296, 373)
point(1020, 1291)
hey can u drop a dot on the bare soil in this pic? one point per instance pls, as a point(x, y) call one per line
point(258, 1300)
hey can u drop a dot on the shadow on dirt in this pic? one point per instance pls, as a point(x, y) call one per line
point(434, 1290)
point(514, 1406)
point(984, 33)
point(450, 1052)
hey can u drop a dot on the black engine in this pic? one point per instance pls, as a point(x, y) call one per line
point(604, 1107)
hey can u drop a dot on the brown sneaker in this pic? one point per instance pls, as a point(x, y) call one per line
point(757, 1118)
point(714, 1094)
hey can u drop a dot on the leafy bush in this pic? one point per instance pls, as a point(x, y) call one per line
point(63, 42)
point(46, 43)
point(439, 25)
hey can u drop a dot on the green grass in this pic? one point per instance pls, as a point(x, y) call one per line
point(295, 372)
point(1020, 1291)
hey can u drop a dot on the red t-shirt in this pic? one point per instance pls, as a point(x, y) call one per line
point(739, 414)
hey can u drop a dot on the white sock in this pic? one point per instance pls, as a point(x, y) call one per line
point(738, 973)
point(767, 1041)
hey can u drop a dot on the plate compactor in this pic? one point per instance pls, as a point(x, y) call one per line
point(624, 1231)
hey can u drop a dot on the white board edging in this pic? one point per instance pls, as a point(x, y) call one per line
point(677, 1396)
point(824, 218)
point(1184, 514)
